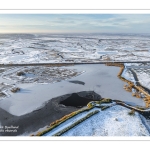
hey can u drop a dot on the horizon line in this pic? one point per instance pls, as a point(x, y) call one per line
point(72, 33)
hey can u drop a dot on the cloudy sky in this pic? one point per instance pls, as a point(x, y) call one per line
point(74, 23)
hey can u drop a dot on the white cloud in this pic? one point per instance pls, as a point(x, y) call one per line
point(85, 23)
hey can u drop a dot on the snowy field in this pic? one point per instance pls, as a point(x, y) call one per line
point(29, 48)
point(143, 75)
point(142, 71)
point(114, 121)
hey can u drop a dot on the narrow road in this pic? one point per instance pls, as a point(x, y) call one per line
point(66, 63)
point(135, 77)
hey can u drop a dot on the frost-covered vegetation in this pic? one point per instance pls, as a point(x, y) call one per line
point(41, 74)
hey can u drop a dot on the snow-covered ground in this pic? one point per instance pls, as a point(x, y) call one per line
point(29, 48)
point(99, 78)
point(143, 75)
point(40, 74)
point(114, 121)
point(5, 89)
point(127, 74)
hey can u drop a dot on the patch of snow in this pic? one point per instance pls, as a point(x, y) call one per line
point(127, 74)
point(143, 76)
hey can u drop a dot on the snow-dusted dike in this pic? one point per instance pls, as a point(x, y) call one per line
point(114, 121)
point(141, 110)
point(67, 125)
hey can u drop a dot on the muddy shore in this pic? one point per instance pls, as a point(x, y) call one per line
point(41, 117)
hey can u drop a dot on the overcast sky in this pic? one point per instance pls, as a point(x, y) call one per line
point(74, 23)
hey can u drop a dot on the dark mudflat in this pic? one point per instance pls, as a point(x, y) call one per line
point(78, 101)
point(40, 118)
